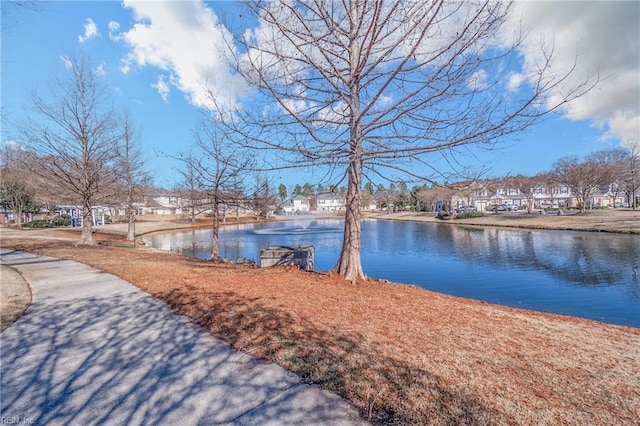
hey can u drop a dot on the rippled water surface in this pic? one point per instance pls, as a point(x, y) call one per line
point(590, 275)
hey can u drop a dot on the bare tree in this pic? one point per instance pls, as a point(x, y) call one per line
point(220, 170)
point(376, 87)
point(131, 172)
point(386, 197)
point(551, 183)
point(631, 178)
point(583, 178)
point(190, 189)
point(75, 138)
point(526, 185)
point(261, 197)
point(426, 198)
point(495, 188)
point(16, 194)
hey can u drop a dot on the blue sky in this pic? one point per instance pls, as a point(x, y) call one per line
point(150, 54)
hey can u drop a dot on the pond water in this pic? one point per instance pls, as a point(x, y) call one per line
point(583, 274)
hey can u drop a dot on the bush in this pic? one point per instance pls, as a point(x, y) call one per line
point(61, 220)
point(469, 215)
point(38, 224)
point(443, 214)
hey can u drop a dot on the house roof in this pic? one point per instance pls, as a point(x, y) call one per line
point(330, 196)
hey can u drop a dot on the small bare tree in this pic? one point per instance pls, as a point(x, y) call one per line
point(74, 135)
point(131, 173)
point(16, 194)
point(190, 189)
point(261, 197)
point(551, 183)
point(526, 185)
point(377, 87)
point(631, 179)
point(219, 169)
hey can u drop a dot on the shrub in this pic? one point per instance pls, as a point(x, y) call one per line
point(38, 224)
point(469, 215)
point(443, 214)
point(61, 220)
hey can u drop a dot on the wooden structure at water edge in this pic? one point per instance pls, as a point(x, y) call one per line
point(300, 256)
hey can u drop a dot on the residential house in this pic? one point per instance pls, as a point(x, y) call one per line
point(296, 205)
point(330, 202)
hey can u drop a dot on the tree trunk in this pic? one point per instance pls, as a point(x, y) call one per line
point(215, 251)
point(131, 229)
point(350, 262)
point(18, 217)
point(87, 224)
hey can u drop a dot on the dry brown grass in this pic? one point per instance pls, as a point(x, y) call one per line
point(399, 353)
point(15, 296)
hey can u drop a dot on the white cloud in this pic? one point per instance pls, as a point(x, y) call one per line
point(185, 40)
point(598, 37)
point(515, 80)
point(162, 87)
point(90, 31)
point(113, 27)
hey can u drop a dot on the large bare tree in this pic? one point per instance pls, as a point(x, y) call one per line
point(585, 177)
point(376, 87)
point(74, 136)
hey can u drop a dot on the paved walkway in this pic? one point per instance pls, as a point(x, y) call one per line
point(94, 349)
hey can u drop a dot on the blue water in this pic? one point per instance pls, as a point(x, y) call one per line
point(588, 275)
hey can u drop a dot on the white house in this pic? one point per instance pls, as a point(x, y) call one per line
point(330, 202)
point(167, 204)
point(298, 204)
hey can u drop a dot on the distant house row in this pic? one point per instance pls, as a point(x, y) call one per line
point(161, 205)
point(324, 202)
point(543, 197)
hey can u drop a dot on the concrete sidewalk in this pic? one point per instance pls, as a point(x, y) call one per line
point(93, 349)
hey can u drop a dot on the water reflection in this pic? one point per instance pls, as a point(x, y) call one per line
point(580, 258)
point(594, 275)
